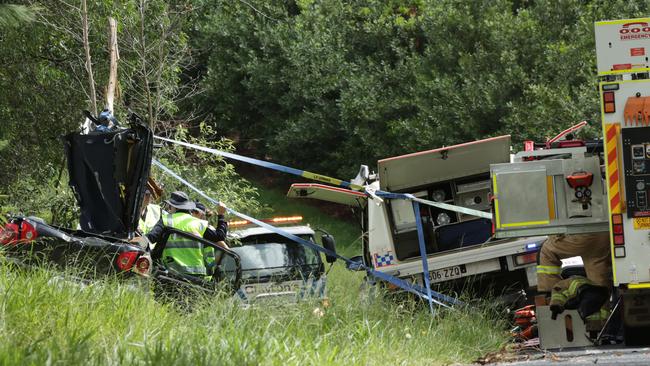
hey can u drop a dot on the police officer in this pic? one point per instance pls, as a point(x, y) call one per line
point(182, 254)
point(201, 212)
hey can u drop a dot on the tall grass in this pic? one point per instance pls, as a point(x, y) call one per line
point(46, 319)
point(43, 321)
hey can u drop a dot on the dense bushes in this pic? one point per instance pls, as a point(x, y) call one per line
point(327, 85)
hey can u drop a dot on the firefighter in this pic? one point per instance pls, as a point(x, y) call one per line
point(181, 254)
point(586, 294)
point(594, 250)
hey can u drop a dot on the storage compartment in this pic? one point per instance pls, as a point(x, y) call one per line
point(457, 175)
point(444, 230)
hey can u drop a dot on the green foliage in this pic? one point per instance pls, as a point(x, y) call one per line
point(332, 84)
point(50, 200)
point(208, 172)
point(12, 15)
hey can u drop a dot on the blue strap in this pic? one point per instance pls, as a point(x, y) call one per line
point(427, 294)
point(326, 179)
point(423, 252)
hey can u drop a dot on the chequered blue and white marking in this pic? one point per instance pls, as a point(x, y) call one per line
point(384, 260)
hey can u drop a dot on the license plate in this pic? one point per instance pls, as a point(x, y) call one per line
point(641, 223)
point(271, 288)
point(448, 273)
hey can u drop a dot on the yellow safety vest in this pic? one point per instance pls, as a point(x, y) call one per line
point(183, 254)
point(151, 218)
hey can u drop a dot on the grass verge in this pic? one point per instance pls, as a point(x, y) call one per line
point(45, 319)
point(58, 322)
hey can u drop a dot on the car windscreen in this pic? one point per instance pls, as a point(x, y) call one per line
point(277, 261)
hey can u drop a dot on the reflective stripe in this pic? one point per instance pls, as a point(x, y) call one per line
point(195, 270)
point(603, 314)
point(549, 270)
point(183, 243)
point(558, 298)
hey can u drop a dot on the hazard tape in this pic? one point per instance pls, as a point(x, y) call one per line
point(426, 294)
point(269, 165)
point(323, 178)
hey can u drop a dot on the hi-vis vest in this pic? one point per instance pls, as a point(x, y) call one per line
point(183, 254)
point(151, 218)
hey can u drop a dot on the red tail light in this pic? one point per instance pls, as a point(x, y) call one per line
point(27, 232)
point(142, 265)
point(8, 234)
point(126, 259)
point(609, 102)
point(15, 233)
point(617, 229)
point(527, 258)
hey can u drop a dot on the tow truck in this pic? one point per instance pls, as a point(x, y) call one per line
point(275, 269)
point(460, 247)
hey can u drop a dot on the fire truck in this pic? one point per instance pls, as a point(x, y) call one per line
point(573, 194)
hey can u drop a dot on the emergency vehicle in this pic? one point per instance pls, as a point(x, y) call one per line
point(275, 269)
point(459, 245)
point(572, 195)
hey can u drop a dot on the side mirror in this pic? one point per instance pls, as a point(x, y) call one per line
point(329, 244)
point(356, 265)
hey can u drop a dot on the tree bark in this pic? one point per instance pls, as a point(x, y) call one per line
point(145, 71)
point(89, 65)
point(115, 56)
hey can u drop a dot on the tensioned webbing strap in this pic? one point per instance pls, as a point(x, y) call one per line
point(326, 179)
point(266, 164)
point(426, 294)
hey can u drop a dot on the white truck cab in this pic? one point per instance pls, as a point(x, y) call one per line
point(458, 245)
point(274, 268)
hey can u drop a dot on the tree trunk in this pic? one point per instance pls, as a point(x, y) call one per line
point(145, 71)
point(115, 56)
point(89, 65)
